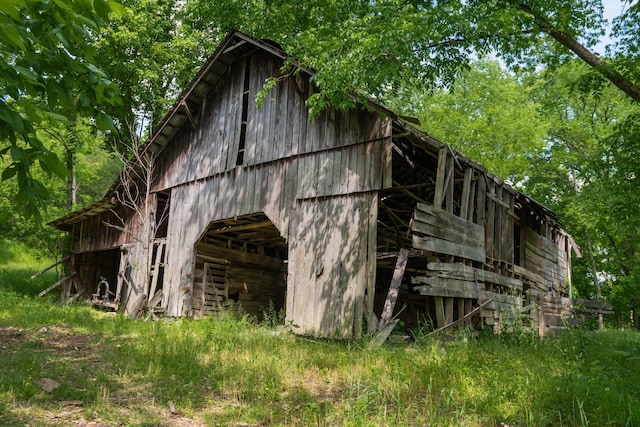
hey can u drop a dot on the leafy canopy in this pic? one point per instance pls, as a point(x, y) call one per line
point(47, 74)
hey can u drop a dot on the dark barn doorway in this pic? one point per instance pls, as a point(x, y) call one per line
point(242, 261)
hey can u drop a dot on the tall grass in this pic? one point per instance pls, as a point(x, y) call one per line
point(233, 371)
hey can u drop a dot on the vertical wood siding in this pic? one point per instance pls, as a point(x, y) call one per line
point(280, 129)
point(329, 265)
point(314, 179)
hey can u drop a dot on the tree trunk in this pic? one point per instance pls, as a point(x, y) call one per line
point(594, 272)
point(71, 180)
point(598, 64)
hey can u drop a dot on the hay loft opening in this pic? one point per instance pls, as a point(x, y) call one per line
point(240, 261)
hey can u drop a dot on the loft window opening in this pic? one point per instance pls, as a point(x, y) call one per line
point(245, 112)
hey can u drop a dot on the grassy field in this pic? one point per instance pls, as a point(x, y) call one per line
point(114, 371)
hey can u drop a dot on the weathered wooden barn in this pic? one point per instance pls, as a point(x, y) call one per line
point(339, 220)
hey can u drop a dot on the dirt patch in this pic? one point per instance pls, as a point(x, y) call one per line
point(61, 340)
point(321, 386)
point(10, 336)
point(80, 352)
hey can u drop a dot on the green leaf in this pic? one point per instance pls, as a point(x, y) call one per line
point(12, 118)
point(37, 144)
point(117, 8)
point(33, 113)
point(51, 164)
point(56, 116)
point(27, 74)
point(12, 8)
point(10, 35)
point(105, 123)
point(18, 154)
point(9, 172)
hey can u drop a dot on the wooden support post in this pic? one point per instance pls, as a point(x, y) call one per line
point(467, 308)
point(372, 240)
point(438, 197)
point(466, 203)
point(392, 296)
point(440, 321)
point(448, 310)
point(155, 267)
point(461, 312)
point(448, 186)
point(466, 317)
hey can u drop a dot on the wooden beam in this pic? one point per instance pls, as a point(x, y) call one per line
point(58, 283)
point(50, 267)
point(392, 296)
point(463, 318)
point(236, 228)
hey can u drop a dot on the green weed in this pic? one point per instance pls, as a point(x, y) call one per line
point(232, 370)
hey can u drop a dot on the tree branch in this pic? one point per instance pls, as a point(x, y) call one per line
point(597, 63)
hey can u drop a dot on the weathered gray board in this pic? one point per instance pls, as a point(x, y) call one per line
point(329, 258)
point(439, 231)
point(319, 195)
point(279, 131)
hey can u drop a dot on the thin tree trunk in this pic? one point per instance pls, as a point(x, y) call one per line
point(594, 272)
point(71, 180)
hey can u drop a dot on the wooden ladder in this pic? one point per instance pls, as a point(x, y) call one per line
point(215, 293)
point(159, 246)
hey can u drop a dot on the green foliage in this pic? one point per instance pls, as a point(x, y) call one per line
point(587, 173)
point(94, 169)
point(487, 115)
point(373, 48)
point(46, 75)
point(151, 56)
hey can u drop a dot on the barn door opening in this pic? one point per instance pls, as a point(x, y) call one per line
point(98, 278)
point(240, 263)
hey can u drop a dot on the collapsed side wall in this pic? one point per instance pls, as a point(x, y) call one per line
point(482, 243)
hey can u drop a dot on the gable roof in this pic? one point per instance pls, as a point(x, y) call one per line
point(187, 107)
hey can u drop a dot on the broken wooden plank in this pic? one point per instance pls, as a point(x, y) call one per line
point(448, 248)
point(467, 316)
point(50, 267)
point(451, 284)
point(392, 295)
point(442, 291)
point(383, 333)
point(58, 283)
point(442, 219)
point(155, 300)
point(467, 272)
point(529, 274)
point(592, 304)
